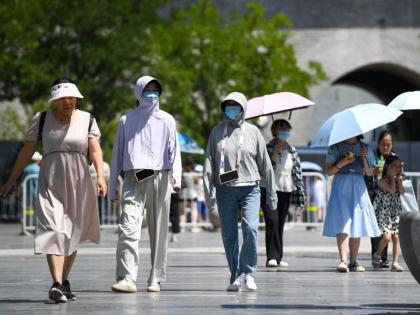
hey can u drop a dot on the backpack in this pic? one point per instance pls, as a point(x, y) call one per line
point(41, 127)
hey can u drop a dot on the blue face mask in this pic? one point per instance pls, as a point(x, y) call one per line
point(283, 135)
point(233, 112)
point(150, 95)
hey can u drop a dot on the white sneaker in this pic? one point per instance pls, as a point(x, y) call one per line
point(237, 284)
point(125, 285)
point(174, 238)
point(396, 267)
point(272, 263)
point(342, 267)
point(282, 263)
point(250, 283)
point(154, 287)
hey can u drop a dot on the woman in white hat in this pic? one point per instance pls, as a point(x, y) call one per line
point(66, 209)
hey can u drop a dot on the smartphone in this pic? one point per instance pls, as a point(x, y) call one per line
point(229, 176)
point(143, 174)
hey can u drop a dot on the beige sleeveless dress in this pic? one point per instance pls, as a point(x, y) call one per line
point(66, 205)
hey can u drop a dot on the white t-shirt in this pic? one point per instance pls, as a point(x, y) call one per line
point(283, 172)
point(189, 192)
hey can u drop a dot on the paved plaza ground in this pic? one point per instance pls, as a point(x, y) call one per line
point(198, 276)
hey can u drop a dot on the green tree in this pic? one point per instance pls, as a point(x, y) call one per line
point(105, 45)
point(11, 127)
point(201, 57)
point(96, 43)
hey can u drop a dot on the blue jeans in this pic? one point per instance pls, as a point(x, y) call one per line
point(229, 200)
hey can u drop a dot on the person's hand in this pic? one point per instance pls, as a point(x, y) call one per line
point(391, 172)
point(6, 188)
point(276, 150)
point(345, 161)
point(101, 186)
point(116, 198)
point(280, 147)
point(364, 152)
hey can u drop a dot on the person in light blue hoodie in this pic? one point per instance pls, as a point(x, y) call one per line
point(236, 160)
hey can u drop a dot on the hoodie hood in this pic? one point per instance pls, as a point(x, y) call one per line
point(238, 98)
point(141, 84)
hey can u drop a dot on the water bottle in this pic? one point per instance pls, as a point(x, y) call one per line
point(380, 165)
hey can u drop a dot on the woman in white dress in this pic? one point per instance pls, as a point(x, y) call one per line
point(66, 209)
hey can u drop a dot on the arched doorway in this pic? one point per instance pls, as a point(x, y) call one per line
point(382, 82)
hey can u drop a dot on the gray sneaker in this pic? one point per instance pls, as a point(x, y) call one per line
point(376, 261)
point(237, 284)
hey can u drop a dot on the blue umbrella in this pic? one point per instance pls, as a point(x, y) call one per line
point(406, 101)
point(352, 122)
point(188, 144)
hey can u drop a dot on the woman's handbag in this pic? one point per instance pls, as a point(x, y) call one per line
point(408, 200)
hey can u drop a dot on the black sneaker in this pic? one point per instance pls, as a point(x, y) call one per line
point(67, 291)
point(57, 293)
point(354, 266)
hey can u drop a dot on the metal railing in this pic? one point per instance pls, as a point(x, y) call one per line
point(109, 212)
point(317, 192)
point(415, 178)
point(21, 205)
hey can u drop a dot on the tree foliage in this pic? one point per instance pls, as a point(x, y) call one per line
point(96, 43)
point(201, 57)
point(11, 126)
point(198, 55)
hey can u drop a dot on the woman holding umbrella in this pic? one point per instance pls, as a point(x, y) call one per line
point(350, 214)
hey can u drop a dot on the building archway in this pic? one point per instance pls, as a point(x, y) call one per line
point(384, 82)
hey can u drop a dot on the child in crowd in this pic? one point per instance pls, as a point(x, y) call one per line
point(388, 208)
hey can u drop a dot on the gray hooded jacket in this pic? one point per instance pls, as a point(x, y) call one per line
point(255, 163)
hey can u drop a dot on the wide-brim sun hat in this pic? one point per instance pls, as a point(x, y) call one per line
point(64, 90)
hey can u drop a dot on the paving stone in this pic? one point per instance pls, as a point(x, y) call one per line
point(197, 278)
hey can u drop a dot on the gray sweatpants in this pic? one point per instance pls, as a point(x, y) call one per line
point(154, 195)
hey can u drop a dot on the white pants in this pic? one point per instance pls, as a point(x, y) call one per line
point(154, 195)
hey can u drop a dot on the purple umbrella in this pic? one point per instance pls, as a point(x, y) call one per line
point(275, 103)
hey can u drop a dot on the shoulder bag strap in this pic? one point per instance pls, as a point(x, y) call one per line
point(41, 124)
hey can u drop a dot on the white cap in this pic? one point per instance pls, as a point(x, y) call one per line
point(37, 156)
point(64, 90)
